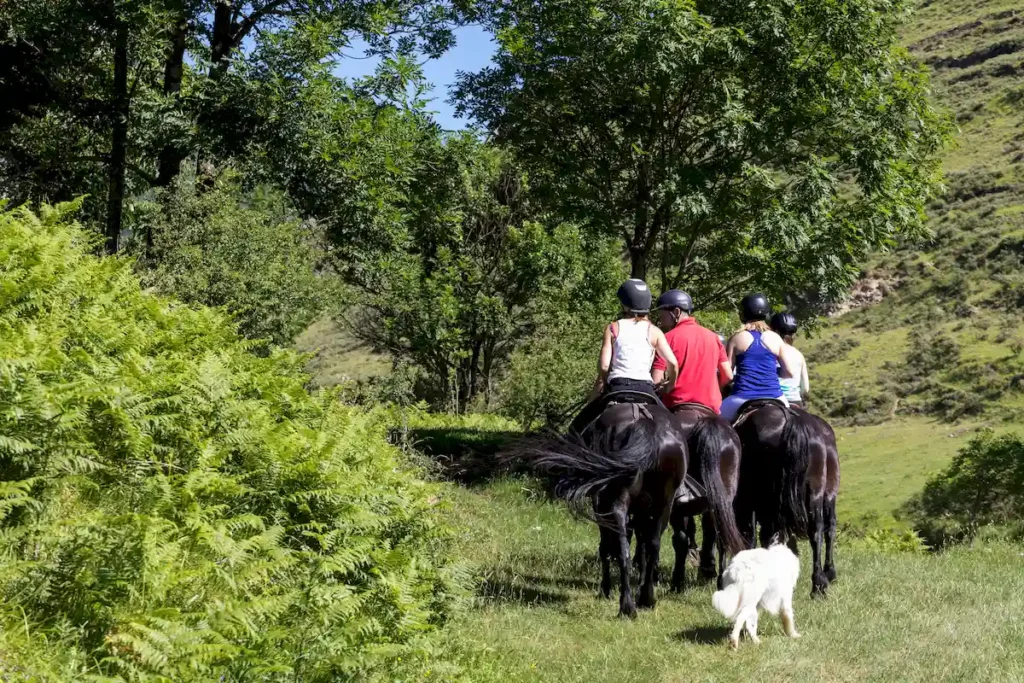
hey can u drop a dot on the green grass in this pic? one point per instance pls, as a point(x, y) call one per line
point(906, 617)
point(338, 356)
point(883, 465)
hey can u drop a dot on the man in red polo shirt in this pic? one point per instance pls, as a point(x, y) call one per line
point(704, 367)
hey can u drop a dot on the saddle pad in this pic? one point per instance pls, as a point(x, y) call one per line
point(750, 407)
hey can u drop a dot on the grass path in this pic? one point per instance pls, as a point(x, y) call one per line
point(891, 617)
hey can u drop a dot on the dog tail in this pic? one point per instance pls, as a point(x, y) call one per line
point(728, 600)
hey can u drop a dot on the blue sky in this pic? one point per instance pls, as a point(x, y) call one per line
point(472, 51)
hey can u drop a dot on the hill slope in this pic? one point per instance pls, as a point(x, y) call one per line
point(962, 292)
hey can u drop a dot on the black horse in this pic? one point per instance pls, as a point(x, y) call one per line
point(789, 482)
point(716, 450)
point(628, 464)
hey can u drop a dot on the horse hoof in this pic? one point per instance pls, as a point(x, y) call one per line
point(628, 611)
point(708, 573)
point(646, 603)
point(830, 574)
point(677, 587)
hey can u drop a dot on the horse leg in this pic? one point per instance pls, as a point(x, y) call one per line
point(607, 550)
point(640, 555)
point(815, 534)
point(707, 548)
point(680, 543)
point(620, 511)
point(652, 549)
point(691, 533)
point(829, 509)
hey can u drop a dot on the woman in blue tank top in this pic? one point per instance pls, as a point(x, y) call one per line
point(755, 352)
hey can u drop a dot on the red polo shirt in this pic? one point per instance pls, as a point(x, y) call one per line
point(699, 353)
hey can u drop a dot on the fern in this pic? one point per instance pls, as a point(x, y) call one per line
point(174, 507)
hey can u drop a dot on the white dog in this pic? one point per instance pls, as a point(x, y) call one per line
point(758, 578)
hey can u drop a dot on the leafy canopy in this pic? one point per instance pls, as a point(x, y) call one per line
point(729, 145)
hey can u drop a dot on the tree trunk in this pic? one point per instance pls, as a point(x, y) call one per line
point(171, 156)
point(222, 40)
point(119, 137)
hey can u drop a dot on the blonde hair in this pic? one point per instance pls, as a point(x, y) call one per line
point(755, 326)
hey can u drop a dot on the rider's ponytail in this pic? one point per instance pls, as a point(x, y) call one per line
point(754, 326)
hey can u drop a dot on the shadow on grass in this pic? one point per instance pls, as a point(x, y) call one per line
point(516, 579)
point(705, 635)
point(468, 456)
point(504, 591)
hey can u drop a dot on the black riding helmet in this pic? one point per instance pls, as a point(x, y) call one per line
point(675, 298)
point(635, 296)
point(784, 323)
point(754, 308)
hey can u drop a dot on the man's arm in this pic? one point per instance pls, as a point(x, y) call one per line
point(724, 373)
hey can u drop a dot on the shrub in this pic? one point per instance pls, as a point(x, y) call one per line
point(175, 507)
point(551, 375)
point(246, 252)
point(983, 485)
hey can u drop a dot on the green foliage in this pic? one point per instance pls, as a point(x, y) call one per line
point(177, 508)
point(728, 144)
point(249, 253)
point(551, 374)
point(481, 271)
point(984, 485)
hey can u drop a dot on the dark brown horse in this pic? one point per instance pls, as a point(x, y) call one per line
point(629, 464)
point(716, 449)
point(789, 481)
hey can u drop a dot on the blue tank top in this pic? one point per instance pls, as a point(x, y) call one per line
point(756, 374)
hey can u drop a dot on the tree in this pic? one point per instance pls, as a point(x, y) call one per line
point(74, 78)
point(108, 99)
point(480, 271)
point(218, 29)
point(245, 251)
point(728, 144)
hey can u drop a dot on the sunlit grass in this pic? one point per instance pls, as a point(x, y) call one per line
point(890, 617)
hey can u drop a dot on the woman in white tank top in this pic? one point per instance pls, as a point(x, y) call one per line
point(630, 345)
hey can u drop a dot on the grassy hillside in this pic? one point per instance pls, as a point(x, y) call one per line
point(961, 292)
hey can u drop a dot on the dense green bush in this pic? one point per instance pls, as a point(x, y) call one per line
point(984, 485)
point(176, 508)
point(247, 252)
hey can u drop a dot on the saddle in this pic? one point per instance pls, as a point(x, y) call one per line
point(698, 407)
point(749, 407)
point(639, 400)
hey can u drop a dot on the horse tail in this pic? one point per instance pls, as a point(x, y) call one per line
point(795, 459)
point(712, 438)
point(583, 471)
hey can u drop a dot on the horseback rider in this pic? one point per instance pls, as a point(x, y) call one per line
point(628, 352)
point(754, 351)
point(793, 370)
point(704, 367)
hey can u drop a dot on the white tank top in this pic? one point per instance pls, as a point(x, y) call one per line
point(632, 353)
point(791, 388)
